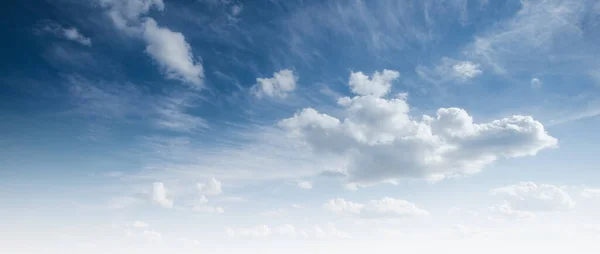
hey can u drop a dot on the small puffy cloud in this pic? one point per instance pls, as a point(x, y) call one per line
point(160, 195)
point(305, 185)
point(74, 35)
point(282, 83)
point(140, 224)
point(466, 69)
point(448, 70)
point(384, 208)
point(536, 83)
point(378, 85)
point(212, 187)
point(380, 141)
point(173, 54)
point(528, 196)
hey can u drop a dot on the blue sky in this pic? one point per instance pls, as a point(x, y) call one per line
point(224, 126)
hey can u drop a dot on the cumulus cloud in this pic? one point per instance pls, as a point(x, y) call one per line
point(126, 14)
point(172, 52)
point(305, 185)
point(448, 70)
point(381, 141)
point(208, 209)
point(212, 187)
point(160, 195)
point(378, 85)
point(282, 83)
point(384, 208)
point(528, 196)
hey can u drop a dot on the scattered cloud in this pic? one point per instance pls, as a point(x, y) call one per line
point(536, 83)
point(378, 85)
point(305, 185)
point(208, 209)
point(384, 208)
point(287, 230)
point(126, 14)
point(449, 70)
point(74, 35)
point(71, 33)
point(506, 210)
point(587, 192)
point(173, 54)
point(160, 195)
point(279, 86)
point(528, 196)
point(212, 187)
point(380, 141)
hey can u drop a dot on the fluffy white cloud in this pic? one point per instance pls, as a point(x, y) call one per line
point(378, 85)
point(528, 196)
point(126, 14)
point(278, 86)
point(340, 205)
point(172, 52)
point(305, 185)
point(380, 141)
point(466, 69)
point(384, 208)
point(160, 195)
point(212, 187)
point(449, 69)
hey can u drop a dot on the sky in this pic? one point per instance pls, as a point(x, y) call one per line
point(230, 126)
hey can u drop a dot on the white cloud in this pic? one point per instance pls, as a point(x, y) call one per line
point(173, 114)
point(160, 195)
point(282, 83)
point(152, 236)
point(172, 52)
point(506, 210)
point(528, 196)
point(305, 185)
point(74, 35)
point(380, 141)
point(466, 69)
point(140, 224)
point(378, 85)
point(448, 70)
point(384, 208)
point(126, 14)
point(341, 206)
point(536, 83)
point(212, 187)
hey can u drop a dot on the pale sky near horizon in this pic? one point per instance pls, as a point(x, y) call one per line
point(230, 126)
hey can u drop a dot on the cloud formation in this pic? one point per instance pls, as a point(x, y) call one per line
point(212, 187)
point(381, 141)
point(279, 86)
point(305, 185)
point(528, 196)
point(172, 52)
point(384, 208)
point(449, 70)
point(160, 195)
